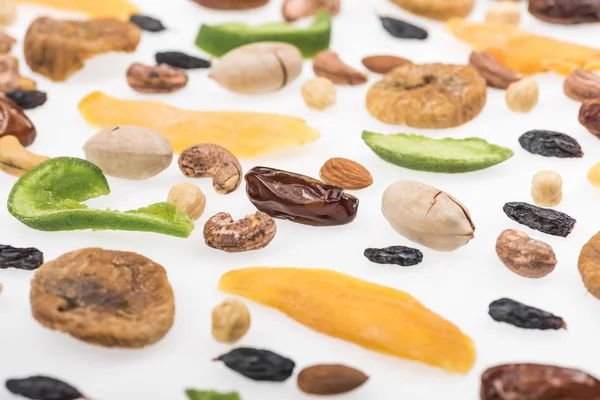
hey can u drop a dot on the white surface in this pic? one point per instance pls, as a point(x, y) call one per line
point(458, 285)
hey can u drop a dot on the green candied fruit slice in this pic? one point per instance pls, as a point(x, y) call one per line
point(436, 155)
point(218, 40)
point(48, 198)
point(205, 395)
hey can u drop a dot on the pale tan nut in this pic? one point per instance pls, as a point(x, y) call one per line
point(319, 93)
point(157, 79)
point(346, 174)
point(593, 175)
point(293, 10)
point(546, 189)
point(582, 85)
point(6, 43)
point(327, 64)
point(384, 64)
point(1, 288)
point(330, 379)
point(9, 73)
point(15, 159)
point(253, 232)
point(522, 96)
point(505, 11)
point(188, 199)
point(211, 160)
point(589, 265)
point(27, 84)
point(525, 256)
point(490, 69)
point(441, 10)
point(230, 321)
point(8, 12)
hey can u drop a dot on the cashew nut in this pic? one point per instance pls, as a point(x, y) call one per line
point(16, 159)
point(251, 233)
point(210, 160)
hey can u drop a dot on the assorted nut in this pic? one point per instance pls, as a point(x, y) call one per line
point(594, 175)
point(230, 321)
point(490, 69)
point(582, 85)
point(14, 122)
point(319, 93)
point(546, 189)
point(327, 64)
point(295, 9)
point(384, 64)
point(589, 116)
point(522, 96)
point(253, 232)
point(525, 256)
point(327, 379)
point(15, 159)
point(188, 199)
point(346, 174)
point(212, 161)
point(158, 79)
point(9, 73)
point(507, 11)
point(589, 265)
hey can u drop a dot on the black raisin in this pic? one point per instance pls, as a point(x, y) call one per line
point(181, 60)
point(402, 29)
point(399, 255)
point(28, 258)
point(523, 316)
point(28, 99)
point(541, 219)
point(551, 144)
point(258, 365)
point(43, 388)
point(147, 23)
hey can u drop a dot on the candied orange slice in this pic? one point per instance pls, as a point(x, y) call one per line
point(121, 9)
point(375, 317)
point(522, 51)
point(245, 134)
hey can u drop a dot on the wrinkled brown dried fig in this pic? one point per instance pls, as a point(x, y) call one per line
point(158, 79)
point(328, 65)
point(210, 160)
point(251, 233)
point(295, 9)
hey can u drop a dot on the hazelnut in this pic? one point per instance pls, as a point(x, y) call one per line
point(319, 93)
point(230, 321)
point(523, 95)
point(546, 189)
point(188, 199)
point(504, 11)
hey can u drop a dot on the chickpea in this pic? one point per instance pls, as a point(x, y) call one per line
point(546, 189)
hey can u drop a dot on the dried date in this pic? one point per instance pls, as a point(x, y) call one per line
point(147, 23)
point(524, 316)
point(28, 99)
point(20, 258)
point(43, 388)
point(399, 255)
point(589, 116)
point(544, 220)
point(402, 29)
point(258, 365)
point(550, 144)
point(181, 60)
point(566, 11)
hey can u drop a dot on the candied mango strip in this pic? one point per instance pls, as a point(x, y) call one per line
point(121, 9)
point(372, 316)
point(522, 51)
point(245, 134)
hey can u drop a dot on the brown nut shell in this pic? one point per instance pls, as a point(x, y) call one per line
point(589, 116)
point(157, 79)
point(330, 379)
point(346, 174)
point(384, 64)
point(589, 265)
point(211, 160)
point(251, 233)
point(525, 256)
point(106, 298)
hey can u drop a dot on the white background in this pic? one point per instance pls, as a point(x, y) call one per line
point(457, 285)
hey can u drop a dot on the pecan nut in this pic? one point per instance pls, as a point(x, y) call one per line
point(251, 233)
point(158, 79)
point(490, 69)
point(582, 85)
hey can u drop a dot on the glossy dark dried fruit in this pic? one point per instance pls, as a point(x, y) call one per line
point(147, 23)
point(28, 99)
point(589, 116)
point(551, 144)
point(258, 365)
point(20, 258)
point(399, 255)
point(537, 382)
point(14, 122)
point(43, 388)
point(299, 198)
point(181, 60)
point(544, 220)
point(524, 316)
point(566, 11)
point(402, 29)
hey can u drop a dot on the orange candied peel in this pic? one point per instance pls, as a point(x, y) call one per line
point(245, 134)
point(121, 9)
point(523, 51)
point(375, 317)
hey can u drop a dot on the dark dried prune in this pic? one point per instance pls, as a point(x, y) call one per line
point(43, 388)
point(20, 258)
point(399, 255)
point(402, 29)
point(566, 11)
point(258, 365)
point(147, 23)
point(181, 60)
point(28, 99)
point(544, 220)
point(523, 316)
point(550, 144)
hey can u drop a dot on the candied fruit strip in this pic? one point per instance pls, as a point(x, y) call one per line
point(121, 9)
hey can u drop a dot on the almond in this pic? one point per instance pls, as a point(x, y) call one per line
point(330, 379)
point(327, 64)
point(384, 64)
point(346, 174)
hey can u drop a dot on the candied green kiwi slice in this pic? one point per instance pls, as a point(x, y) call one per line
point(48, 198)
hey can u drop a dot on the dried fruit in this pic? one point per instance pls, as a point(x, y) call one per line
point(565, 11)
point(537, 382)
point(428, 96)
point(594, 175)
point(253, 232)
point(157, 79)
point(43, 388)
point(319, 299)
point(328, 65)
point(106, 298)
point(129, 152)
point(97, 9)
point(299, 198)
point(319, 93)
point(438, 10)
point(506, 11)
point(212, 161)
point(230, 321)
point(26, 84)
point(15, 159)
point(181, 60)
point(6, 43)
point(525, 256)
point(20, 258)
point(218, 40)
point(188, 199)
point(589, 265)
point(258, 68)
point(494, 74)
point(544, 220)
point(330, 379)
point(245, 134)
point(296, 9)
point(57, 49)
point(28, 99)
point(204, 395)
point(232, 4)
point(258, 365)
point(384, 64)
point(9, 73)
point(582, 85)
point(14, 122)
point(427, 216)
point(550, 144)
point(546, 189)
point(589, 116)
point(523, 316)
point(402, 29)
point(436, 155)
point(346, 174)
point(522, 95)
point(147, 23)
point(399, 255)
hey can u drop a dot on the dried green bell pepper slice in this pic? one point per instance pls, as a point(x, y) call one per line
point(48, 198)
point(209, 395)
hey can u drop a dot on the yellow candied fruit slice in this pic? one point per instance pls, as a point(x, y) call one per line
point(245, 134)
point(594, 175)
point(121, 9)
point(375, 317)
